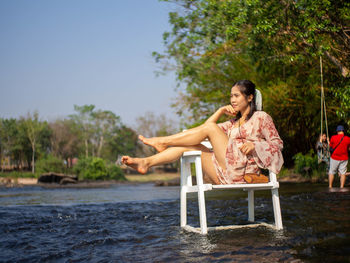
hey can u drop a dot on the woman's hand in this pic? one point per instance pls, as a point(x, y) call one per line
point(228, 110)
point(247, 148)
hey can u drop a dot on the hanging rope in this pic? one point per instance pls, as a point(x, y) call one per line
point(322, 95)
point(323, 108)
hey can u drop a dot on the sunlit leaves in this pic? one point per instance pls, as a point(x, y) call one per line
point(277, 44)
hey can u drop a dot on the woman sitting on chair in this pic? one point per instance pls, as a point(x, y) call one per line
point(240, 146)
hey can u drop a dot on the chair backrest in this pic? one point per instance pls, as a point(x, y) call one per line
point(207, 144)
point(258, 99)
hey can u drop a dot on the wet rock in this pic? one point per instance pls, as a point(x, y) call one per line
point(7, 182)
point(68, 180)
point(57, 178)
point(174, 182)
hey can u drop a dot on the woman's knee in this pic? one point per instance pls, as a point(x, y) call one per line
point(210, 127)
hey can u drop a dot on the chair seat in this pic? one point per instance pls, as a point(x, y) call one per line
point(194, 157)
point(262, 186)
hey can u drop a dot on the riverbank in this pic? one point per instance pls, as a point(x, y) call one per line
point(159, 179)
point(156, 178)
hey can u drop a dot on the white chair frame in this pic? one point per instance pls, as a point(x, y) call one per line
point(201, 188)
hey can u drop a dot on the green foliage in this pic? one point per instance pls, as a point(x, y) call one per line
point(344, 97)
point(97, 128)
point(122, 141)
point(283, 173)
point(14, 141)
point(16, 174)
point(34, 130)
point(277, 45)
point(115, 173)
point(94, 168)
point(50, 164)
point(307, 165)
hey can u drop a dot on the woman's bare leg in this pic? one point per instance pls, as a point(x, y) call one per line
point(169, 155)
point(210, 175)
point(172, 154)
point(195, 136)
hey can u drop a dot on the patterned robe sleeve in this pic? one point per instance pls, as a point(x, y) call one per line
point(269, 146)
point(226, 126)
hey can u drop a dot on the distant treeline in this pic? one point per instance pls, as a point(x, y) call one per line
point(89, 134)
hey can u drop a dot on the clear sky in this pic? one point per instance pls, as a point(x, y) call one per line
point(57, 53)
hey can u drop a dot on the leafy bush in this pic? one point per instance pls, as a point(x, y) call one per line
point(49, 164)
point(284, 172)
point(307, 164)
point(94, 168)
point(115, 173)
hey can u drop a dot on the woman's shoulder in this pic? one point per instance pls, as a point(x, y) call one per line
point(261, 114)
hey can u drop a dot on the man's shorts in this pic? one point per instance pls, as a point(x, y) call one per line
point(339, 166)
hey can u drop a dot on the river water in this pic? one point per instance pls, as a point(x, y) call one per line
point(140, 223)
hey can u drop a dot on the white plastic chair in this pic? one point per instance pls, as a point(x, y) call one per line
point(201, 188)
point(187, 187)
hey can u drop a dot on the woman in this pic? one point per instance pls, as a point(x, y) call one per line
point(240, 146)
point(322, 149)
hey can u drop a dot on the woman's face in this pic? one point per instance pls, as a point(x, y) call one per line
point(239, 102)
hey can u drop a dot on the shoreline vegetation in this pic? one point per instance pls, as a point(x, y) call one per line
point(157, 178)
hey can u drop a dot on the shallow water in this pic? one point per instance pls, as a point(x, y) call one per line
point(140, 223)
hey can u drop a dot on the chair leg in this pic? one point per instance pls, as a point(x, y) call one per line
point(251, 206)
point(183, 207)
point(202, 212)
point(185, 176)
point(277, 209)
point(201, 196)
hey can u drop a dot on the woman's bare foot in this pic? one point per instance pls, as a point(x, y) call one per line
point(139, 164)
point(154, 142)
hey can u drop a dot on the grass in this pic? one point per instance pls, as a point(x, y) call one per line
point(16, 174)
point(152, 177)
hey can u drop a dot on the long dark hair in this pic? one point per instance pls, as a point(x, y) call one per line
point(246, 87)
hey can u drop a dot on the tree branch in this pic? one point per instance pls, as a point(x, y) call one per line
point(344, 70)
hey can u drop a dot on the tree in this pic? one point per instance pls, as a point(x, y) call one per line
point(123, 141)
point(33, 128)
point(277, 44)
point(99, 128)
point(2, 145)
point(83, 119)
point(65, 143)
point(104, 124)
point(15, 144)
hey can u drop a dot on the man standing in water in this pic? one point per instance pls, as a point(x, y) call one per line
point(339, 158)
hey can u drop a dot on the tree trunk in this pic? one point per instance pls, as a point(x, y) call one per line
point(86, 149)
point(100, 146)
point(344, 70)
point(2, 168)
point(33, 160)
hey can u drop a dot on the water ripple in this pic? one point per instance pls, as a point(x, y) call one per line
point(316, 228)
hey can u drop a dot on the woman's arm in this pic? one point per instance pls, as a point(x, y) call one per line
point(268, 150)
point(228, 110)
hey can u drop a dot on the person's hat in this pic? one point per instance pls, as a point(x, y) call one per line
point(340, 128)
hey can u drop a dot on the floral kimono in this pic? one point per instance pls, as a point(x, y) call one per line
point(260, 130)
